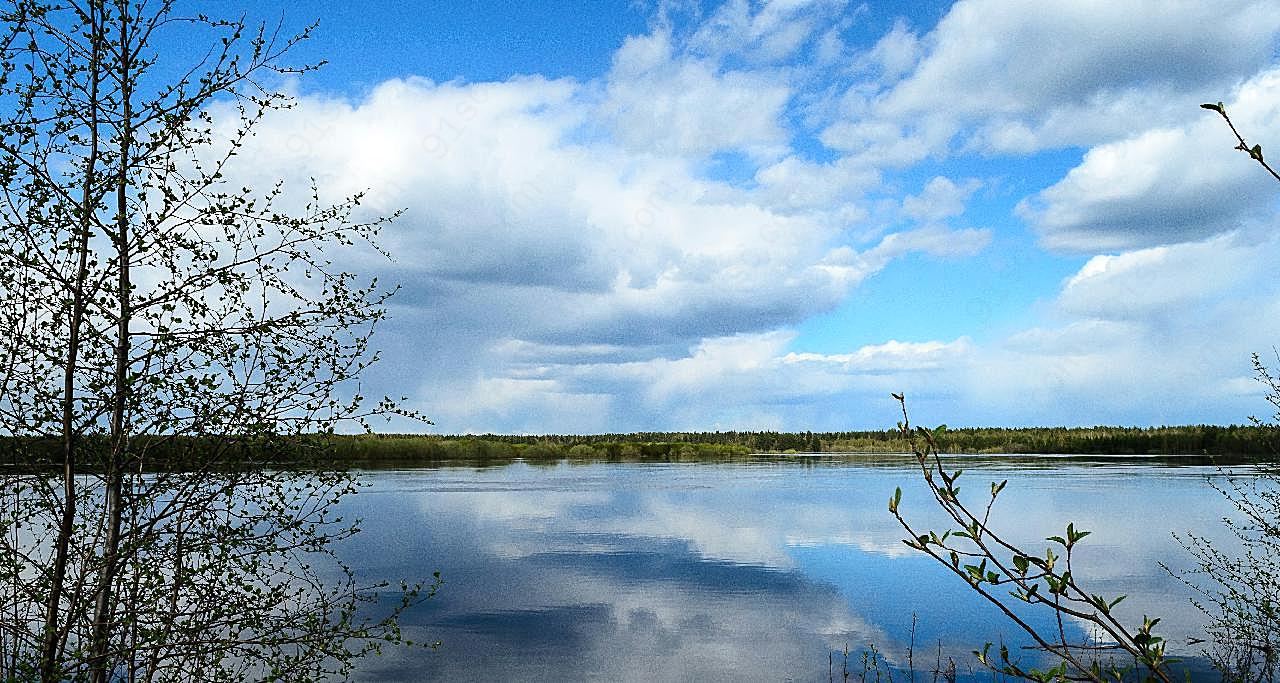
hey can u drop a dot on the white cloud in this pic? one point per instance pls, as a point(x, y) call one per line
point(663, 103)
point(1157, 335)
point(795, 183)
point(1166, 184)
point(498, 194)
point(933, 240)
point(1014, 77)
point(767, 31)
point(1169, 281)
point(891, 356)
point(570, 263)
point(887, 143)
point(940, 199)
point(751, 381)
point(521, 405)
point(521, 229)
point(896, 53)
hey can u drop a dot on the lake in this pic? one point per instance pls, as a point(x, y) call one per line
point(747, 571)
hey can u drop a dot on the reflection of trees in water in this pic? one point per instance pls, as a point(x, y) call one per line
point(223, 575)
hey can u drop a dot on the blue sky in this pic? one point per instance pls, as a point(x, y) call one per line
point(768, 215)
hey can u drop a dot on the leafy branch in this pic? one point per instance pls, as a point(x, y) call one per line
point(1006, 575)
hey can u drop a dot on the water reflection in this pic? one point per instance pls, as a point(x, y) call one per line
point(736, 571)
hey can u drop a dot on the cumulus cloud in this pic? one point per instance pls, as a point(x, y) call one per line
point(887, 143)
point(940, 199)
point(1154, 335)
point(767, 31)
point(1014, 77)
point(571, 261)
point(752, 381)
point(662, 103)
point(932, 240)
point(1169, 281)
point(1157, 335)
point(498, 195)
point(518, 229)
point(896, 53)
point(1165, 184)
point(794, 183)
point(890, 357)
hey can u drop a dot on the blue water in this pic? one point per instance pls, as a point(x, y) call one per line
point(745, 571)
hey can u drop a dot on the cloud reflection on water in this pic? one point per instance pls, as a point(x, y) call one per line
point(714, 572)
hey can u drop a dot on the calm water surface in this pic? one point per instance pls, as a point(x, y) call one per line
point(744, 571)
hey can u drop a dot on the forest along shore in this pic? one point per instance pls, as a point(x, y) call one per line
point(1231, 444)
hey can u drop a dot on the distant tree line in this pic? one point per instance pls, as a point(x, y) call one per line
point(1243, 441)
point(1239, 440)
point(1212, 440)
point(373, 450)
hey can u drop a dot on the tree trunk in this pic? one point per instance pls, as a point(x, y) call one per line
point(103, 632)
point(51, 638)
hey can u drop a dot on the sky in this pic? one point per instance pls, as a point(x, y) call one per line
point(683, 215)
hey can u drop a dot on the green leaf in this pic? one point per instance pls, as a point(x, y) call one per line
point(1100, 602)
point(1073, 535)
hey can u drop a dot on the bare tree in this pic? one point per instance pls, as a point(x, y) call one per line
point(176, 346)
